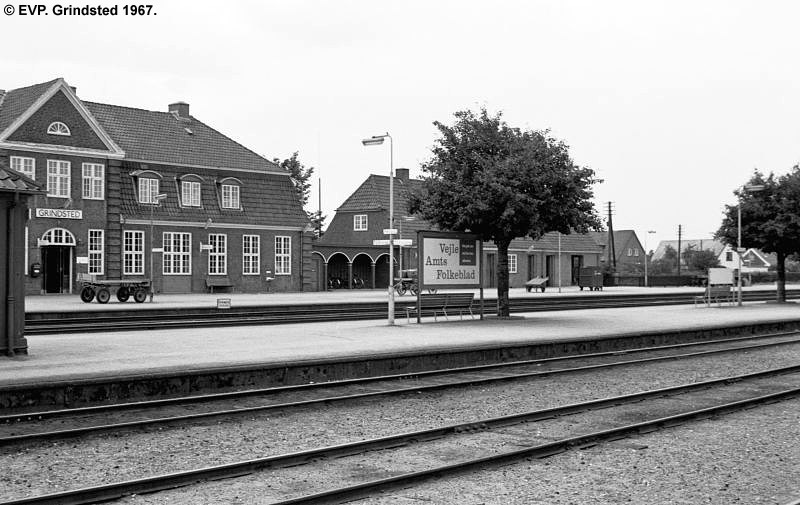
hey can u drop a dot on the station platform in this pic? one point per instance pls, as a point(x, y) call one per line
point(69, 357)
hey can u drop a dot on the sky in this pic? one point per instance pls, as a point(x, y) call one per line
point(672, 103)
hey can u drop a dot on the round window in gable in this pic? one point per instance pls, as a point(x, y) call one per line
point(58, 128)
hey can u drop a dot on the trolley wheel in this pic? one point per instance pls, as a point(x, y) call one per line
point(401, 289)
point(414, 290)
point(433, 291)
point(123, 294)
point(140, 295)
point(103, 296)
point(542, 288)
point(87, 294)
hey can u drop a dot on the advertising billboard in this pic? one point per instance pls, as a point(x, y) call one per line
point(449, 260)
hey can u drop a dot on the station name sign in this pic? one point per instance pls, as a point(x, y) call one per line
point(449, 260)
point(60, 213)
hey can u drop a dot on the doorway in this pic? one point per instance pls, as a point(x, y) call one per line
point(550, 270)
point(57, 269)
point(577, 264)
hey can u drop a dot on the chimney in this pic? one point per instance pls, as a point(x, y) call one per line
point(180, 108)
point(402, 174)
point(74, 89)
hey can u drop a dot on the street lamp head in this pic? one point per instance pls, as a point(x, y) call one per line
point(373, 141)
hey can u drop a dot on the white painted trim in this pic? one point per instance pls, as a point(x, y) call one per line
point(63, 150)
point(191, 224)
point(61, 85)
point(206, 167)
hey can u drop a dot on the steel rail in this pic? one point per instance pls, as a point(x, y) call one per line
point(148, 319)
point(120, 407)
point(88, 430)
point(184, 478)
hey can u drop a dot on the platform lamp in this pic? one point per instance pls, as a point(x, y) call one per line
point(747, 188)
point(377, 140)
point(646, 257)
point(154, 201)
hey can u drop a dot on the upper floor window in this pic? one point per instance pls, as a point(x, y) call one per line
point(729, 256)
point(636, 252)
point(93, 181)
point(360, 222)
point(148, 189)
point(630, 252)
point(26, 166)
point(58, 178)
point(190, 193)
point(58, 128)
point(230, 196)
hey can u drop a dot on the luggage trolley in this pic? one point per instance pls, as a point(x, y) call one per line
point(124, 290)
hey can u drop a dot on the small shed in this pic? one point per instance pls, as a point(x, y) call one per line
point(15, 189)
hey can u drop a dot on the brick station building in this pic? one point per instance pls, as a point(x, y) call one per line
point(121, 181)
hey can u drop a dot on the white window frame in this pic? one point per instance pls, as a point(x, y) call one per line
point(94, 181)
point(58, 128)
point(190, 193)
point(132, 252)
point(218, 255)
point(148, 189)
point(630, 251)
point(251, 255)
point(512, 263)
point(24, 165)
point(283, 255)
point(231, 196)
point(636, 251)
point(360, 222)
point(177, 256)
point(96, 246)
point(59, 176)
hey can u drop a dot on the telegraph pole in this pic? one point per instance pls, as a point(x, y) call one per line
point(679, 250)
point(612, 250)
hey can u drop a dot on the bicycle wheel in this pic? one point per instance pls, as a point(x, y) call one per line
point(400, 288)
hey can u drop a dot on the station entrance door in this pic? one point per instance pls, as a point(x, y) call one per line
point(57, 246)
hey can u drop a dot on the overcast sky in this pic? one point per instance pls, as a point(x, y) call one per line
point(673, 103)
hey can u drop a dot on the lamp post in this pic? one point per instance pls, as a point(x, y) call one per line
point(155, 201)
point(646, 257)
point(377, 140)
point(747, 188)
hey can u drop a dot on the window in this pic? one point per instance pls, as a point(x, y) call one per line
point(58, 178)
point(93, 181)
point(26, 166)
point(218, 255)
point(96, 252)
point(251, 254)
point(636, 252)
point(630, 252)
point(177, 256)
point(360, 222)
point(58, 128)
point(230, 196)
point(148, 189)
point(283, 255)
point(512, 263)
point(133, 253)
point(190, 193)
point(729, 256)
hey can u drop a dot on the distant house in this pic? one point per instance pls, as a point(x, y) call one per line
point(346, 250)
point(753, 260)
point(630, 254)
point(698, 244)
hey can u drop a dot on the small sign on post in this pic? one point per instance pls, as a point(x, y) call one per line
point(223, 303)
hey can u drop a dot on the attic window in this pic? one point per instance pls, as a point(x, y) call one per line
point(189, 131)
point(58, 128)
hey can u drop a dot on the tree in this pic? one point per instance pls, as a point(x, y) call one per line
point(700, 260)
point(770, 219)
point(300, 176)
point(501, 183)
point(666, 264)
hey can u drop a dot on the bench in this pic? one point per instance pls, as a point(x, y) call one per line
point(718, 293)
point(442, 303)
point(218, 282)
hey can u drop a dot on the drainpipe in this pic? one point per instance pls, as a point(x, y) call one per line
point(10, 289)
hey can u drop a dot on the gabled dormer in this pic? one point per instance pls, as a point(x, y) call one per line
point(50, 118)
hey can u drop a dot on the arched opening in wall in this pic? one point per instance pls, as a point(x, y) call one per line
point(57, 247)
point(362, 271)
point(318, 266)
point(382, 271)
point(338, 274)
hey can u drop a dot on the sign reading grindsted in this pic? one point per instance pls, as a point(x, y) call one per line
point(449, 260)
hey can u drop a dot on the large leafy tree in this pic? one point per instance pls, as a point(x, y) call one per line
point(300, 176)
point(770, 219)
point(501, 183)
point(700, 260)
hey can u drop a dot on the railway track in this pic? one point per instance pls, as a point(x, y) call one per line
point(86, 421)
point(154, 319)
point(482, 443)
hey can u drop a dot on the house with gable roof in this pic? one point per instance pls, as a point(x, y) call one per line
point(346, 250)
point(136, 194)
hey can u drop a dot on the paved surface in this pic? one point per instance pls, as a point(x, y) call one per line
point(69, 303)
point(70, 356)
